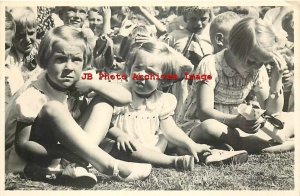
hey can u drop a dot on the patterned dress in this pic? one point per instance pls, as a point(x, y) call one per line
point(230, 88)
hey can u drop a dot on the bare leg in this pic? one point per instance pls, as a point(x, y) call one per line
point(56, 121)
point(96, 119)
point(145, 155)
point(212, 131)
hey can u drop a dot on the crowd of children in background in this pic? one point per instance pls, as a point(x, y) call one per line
point(58, 123)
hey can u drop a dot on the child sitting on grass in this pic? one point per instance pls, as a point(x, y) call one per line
point(143, 129)
point(209, 114)
point(40, 129)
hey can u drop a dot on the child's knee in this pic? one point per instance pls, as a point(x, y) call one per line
point(209, 126)
point(52, 108)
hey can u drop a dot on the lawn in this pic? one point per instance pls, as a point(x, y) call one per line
point(261, 172)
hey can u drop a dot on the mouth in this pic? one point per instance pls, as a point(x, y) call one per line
point(27, 46)
point(140, 83)
point(67, 77)
point(74, 21)
point(198, 29)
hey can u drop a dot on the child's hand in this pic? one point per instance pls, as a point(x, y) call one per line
point(278, 66)
point(248, 126)
point(106, 12)
point(198, 148)
point(287, 77)
point(126, 27)
point(140, 38)
point(126, 142)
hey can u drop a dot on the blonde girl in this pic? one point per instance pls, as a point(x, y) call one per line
point(40, 129)
point(143, 128)
point(209, 114)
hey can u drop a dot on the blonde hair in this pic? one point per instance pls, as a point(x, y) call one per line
point(170, 61)
point(222, 23)
point(250, 33)
point(63, 33)
point(24, 17)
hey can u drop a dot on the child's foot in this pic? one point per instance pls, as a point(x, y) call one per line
point(78, 176)
point(36, 172)
point(139, 171)
point(220, 157)
point(185, 163)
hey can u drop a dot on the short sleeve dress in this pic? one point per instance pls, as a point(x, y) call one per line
point(230, 88)
point(25, 108)
point(141, 118)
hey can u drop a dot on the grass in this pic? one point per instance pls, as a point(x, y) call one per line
point(261, 172)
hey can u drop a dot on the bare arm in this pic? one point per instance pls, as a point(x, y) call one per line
point(106, 20)
point(205, 108)
point(273, 100)
point(113, 92)
point(29, 150)
point(175, 135)
point(159, 26)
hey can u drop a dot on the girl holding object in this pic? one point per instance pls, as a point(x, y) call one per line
point(209, 114)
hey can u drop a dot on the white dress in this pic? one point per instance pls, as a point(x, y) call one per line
point(141, 118)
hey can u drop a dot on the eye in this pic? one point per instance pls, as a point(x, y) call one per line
point(82, 11)
point(31, 33)
point(60, 59)
point(203, 19)
point(77, 59)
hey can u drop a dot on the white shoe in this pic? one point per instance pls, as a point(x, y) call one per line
point(78, 176)
point(220, 157)
point(140, 172)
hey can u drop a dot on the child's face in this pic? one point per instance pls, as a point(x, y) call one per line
point(144, 64)
point(196, 23)
point(65, 64)
point(255, 60)
point(9, 34)
point(95, 20)
point(74, 16)
point(24, 39)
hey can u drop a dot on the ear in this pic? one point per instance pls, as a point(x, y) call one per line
point(219, 38)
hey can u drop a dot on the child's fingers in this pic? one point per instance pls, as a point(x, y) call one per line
point(118, 145)
point(129, 146)
point(123, 146)
point(132, 145)
point(280, 62)
point(195, 154)
point(205, 148)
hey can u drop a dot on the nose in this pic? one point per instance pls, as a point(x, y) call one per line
point(27, 37)
point(143, 73)
point(200, 23)
point(76, 14)
point(69, 65)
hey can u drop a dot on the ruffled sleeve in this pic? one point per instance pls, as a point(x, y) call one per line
point(169, 103)
point(29, 104)
point(207, 68)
